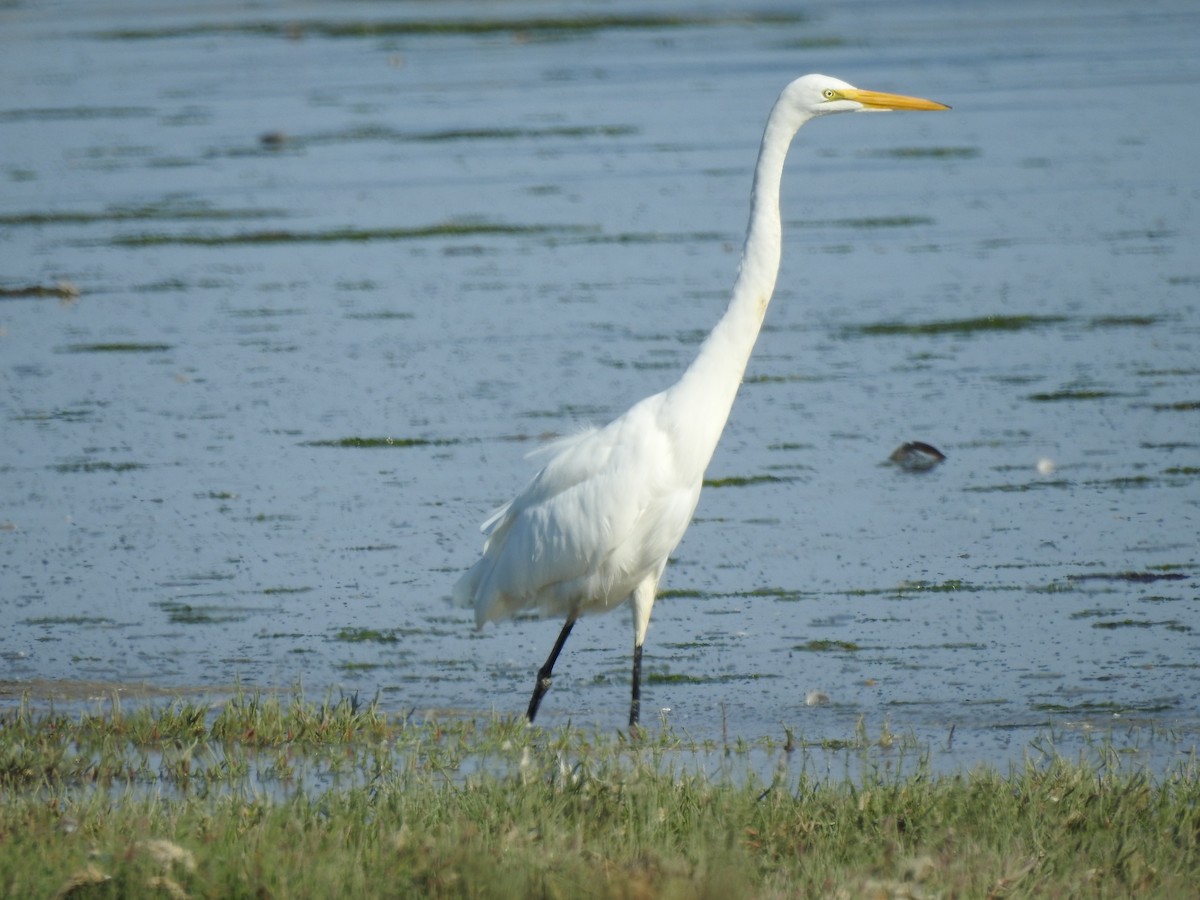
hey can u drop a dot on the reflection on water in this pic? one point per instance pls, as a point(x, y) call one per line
point(285, 303)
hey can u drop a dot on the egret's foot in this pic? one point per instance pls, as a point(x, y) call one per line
point(544, 680)
point(539, 691)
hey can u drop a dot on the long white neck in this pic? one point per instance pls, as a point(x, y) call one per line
point(710, 384)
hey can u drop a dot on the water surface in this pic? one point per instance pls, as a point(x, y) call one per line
point(291, 291)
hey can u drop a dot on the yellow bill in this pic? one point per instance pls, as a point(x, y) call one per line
point(878, 100)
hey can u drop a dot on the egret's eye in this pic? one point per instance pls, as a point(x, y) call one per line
point(830, 94)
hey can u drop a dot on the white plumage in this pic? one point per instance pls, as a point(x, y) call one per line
point(596, 525)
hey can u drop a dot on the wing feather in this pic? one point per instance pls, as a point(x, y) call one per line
point(606, 509)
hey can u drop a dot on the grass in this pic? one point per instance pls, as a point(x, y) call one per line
point(268, 796)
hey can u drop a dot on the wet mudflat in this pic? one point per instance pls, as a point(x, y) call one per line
point(286, 295)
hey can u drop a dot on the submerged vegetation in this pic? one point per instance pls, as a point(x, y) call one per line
point(336, 235)
point(267, 796)
point(745, 480)
point(956, 326)
point(370, 443)
point(540, 26)
point(117, 347)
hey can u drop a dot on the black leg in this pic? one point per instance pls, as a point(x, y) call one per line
point(544, 679)
point(635, 705)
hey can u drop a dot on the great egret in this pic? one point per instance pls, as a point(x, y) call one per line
point(595, 526)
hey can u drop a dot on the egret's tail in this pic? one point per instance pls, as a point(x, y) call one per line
point(474, 590)
point(466, 590)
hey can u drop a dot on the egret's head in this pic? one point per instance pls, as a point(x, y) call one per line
point(818, 95)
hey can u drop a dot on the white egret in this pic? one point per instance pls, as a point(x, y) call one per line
point(595, 526)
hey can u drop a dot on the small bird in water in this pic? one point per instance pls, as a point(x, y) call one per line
point(917, 456)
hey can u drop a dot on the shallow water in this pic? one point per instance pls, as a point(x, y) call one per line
point(340, 267)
